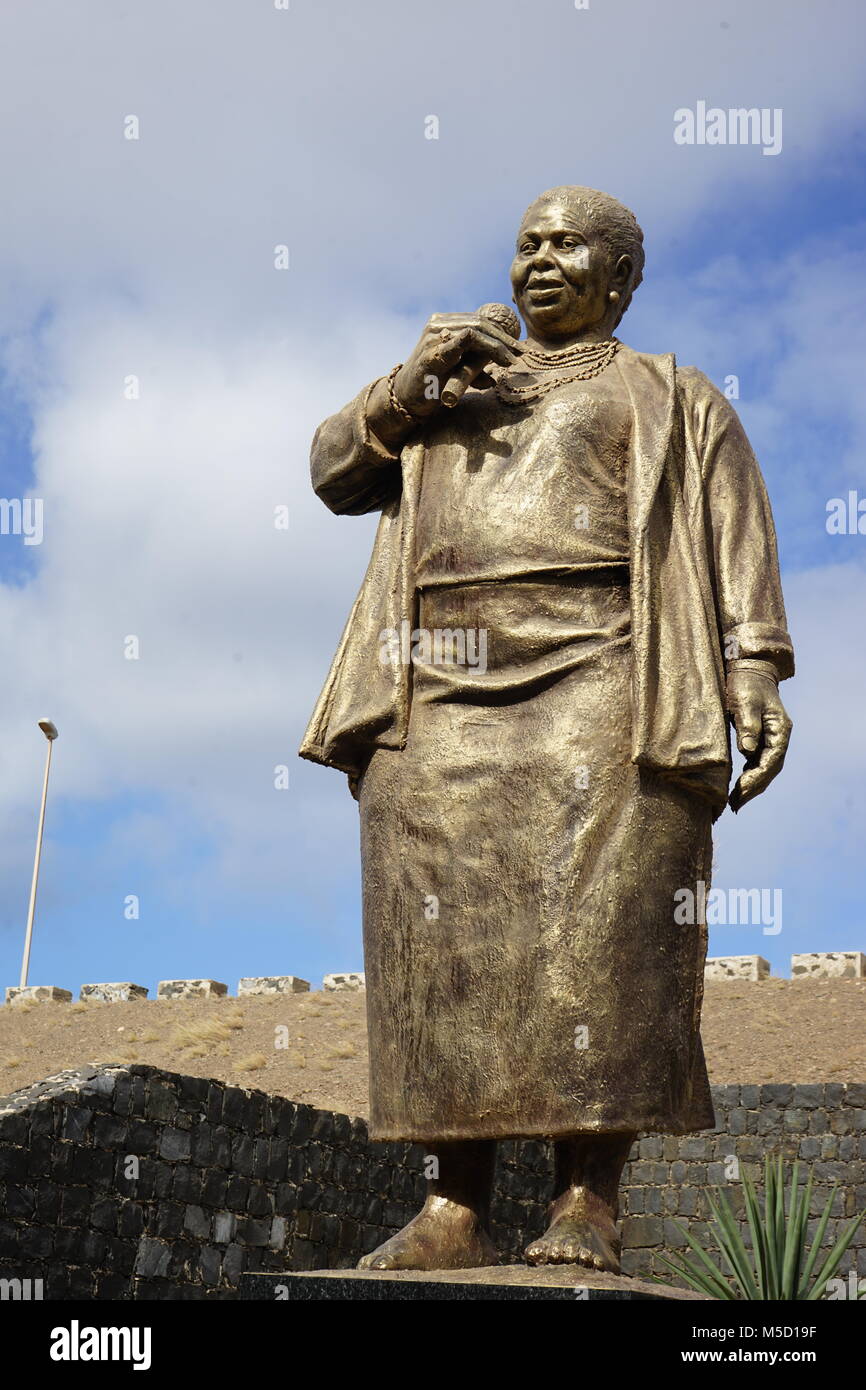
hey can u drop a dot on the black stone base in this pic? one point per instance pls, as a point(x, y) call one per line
point(501, 1284)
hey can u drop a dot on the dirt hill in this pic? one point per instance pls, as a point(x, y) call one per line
point(313, 1047)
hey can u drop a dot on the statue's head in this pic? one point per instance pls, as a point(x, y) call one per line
point(578, 261)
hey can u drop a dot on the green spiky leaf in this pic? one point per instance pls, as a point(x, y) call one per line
point(778, 1267)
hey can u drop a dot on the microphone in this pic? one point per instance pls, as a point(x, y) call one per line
point(460, 382)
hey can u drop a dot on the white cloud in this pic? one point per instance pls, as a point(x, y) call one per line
point(155, 258)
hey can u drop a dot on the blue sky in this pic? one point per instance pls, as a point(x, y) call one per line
point(154, 258)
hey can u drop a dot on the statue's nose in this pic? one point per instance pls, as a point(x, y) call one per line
point(544, 254)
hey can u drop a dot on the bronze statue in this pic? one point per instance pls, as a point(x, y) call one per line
point(574, 584)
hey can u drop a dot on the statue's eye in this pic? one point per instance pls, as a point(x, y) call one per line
point(527, 247)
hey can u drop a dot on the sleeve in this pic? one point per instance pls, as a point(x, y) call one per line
point(750, 606)
point(352, 471)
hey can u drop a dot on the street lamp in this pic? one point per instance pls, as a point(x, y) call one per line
point(50, 733)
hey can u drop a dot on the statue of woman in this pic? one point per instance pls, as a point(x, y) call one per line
point(574, 585)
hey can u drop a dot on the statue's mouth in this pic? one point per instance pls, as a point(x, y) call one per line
point(541, 290)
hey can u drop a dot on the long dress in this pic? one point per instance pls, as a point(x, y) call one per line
point(525, 974)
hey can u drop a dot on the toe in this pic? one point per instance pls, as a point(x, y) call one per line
point(377, 1259)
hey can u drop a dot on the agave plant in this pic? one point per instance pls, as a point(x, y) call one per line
point(778, 1266)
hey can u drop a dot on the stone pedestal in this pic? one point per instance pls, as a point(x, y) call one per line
point(112, 992)
point(40, 994)
point(566, 1283)
point(191, 989)
point(736, 968)
point(273, 984)
point(353, 980)
point(829, 965)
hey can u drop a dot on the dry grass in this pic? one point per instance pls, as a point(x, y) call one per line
point(200, 1030)
point(775, 1031)
point(201, 1037)
point(255, 1062)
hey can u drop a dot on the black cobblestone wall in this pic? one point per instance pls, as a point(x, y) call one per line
point(128, 1182)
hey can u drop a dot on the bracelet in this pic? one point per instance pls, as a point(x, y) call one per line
point(398, 409)
point(370, 441)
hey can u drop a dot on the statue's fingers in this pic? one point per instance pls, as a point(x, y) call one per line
point(761, 771)
point(440, 323)
point(445, 342)
point(769, 765)
point(777, 732)
point(746, 715)
point(750, 783)
point(447, 347)
point(485, 372)
point(491, 345)
point(777, 727)
point(743, 792)
point(469, 344)
point(735, 800)
point(497, 331)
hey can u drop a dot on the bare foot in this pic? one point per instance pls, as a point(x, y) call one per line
point(578, 1242)
point(582, 1231)
point(444, 1235)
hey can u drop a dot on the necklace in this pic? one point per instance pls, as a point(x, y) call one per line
point(579, 354)
point(586, 359)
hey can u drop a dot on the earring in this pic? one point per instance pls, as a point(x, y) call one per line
point(613, 296)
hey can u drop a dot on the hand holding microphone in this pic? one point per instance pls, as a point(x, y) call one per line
point(454, 351)
point(455, 387)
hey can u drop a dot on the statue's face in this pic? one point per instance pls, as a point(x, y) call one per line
point(561, 273)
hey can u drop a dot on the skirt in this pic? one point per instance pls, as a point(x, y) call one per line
point(525, 974)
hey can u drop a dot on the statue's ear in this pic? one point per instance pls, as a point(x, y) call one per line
point(622, 271)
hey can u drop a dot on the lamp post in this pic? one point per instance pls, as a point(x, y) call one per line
point(50, 733)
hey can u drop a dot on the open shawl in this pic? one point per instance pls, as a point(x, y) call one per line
point(704, 578)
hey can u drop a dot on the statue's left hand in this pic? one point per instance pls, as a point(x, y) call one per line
point(763, 729)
